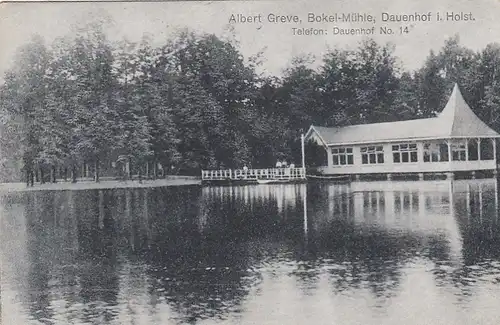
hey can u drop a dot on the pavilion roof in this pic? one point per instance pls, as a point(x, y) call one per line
point(456, 120)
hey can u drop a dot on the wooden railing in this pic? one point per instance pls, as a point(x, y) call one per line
point(254, 174)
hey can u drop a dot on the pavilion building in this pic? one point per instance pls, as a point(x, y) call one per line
point(456, 140)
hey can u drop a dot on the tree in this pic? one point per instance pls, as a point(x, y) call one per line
point(25, 95)
point(407, 104)
point(132, 128)
point(94, 118)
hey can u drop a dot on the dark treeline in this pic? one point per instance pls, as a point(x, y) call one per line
point(86, 103)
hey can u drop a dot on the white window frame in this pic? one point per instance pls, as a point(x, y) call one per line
point(372, 155)
point(342, 156)
point(459, 150)
point(432, 151)
point(402, 150)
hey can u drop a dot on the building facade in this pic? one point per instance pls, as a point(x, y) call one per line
point(456, 140)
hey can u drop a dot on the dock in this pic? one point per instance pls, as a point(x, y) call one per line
point(249, 176)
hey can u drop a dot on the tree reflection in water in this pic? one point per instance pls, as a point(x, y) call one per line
point(191, 254)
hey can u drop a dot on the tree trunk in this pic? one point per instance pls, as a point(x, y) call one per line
point(42, 176)
point(73, 174)
point(53, 175)
point(28, 173)
point(96, 170)
point(128, 170)
point(32, 178)
point(65, 175)
point(154, 169)
point(123, 171)
point(147, 170)
point(37, 176)
point(139, 171)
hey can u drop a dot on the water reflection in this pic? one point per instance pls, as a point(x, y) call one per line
point(267, 254)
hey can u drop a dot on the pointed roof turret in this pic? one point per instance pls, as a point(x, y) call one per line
point(460, 120)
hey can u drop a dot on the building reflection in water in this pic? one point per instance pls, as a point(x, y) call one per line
point(454, 224)
point(191, 254)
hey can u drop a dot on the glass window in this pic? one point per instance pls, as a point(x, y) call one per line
point(372, 155)
point(443, 152)
point(413, 156)
point(458, 151)
point(404, 157)
point(404, 153)
point(486, 147)
point(364, 159)
point(427, 156)
point(342, 156)
point(435, 152)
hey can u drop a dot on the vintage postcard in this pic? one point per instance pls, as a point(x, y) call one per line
point(250, 162)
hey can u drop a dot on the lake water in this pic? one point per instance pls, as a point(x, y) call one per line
point(361, 253)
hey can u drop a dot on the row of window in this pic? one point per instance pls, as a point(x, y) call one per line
point(408, 153)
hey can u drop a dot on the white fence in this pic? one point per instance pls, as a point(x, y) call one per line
point(254, 174)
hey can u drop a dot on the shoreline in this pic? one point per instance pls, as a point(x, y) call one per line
point(104, 184)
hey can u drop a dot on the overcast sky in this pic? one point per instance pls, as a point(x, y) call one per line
point(18, 21)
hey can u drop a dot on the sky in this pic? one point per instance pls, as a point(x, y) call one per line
point(19, 21)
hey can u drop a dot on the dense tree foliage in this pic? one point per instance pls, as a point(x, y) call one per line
point(86, 106)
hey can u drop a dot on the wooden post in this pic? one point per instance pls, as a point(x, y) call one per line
point(449, 150)
point(494, 143)
point(478, 149)
point(496, 201)
point(303, 153)
point(466, 149)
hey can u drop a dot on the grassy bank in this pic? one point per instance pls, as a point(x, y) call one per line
point(105, 184)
